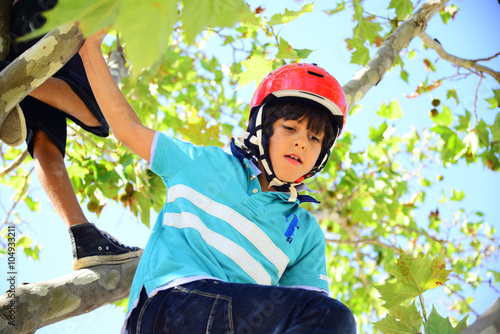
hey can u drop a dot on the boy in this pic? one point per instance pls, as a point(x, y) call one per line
point(232, 229)
point(65, 95)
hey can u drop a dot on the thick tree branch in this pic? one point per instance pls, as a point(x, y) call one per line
point(37, 64)
point(36, 305)
point(460, 62)
point(372, 73)
point(5, 8)
point(488, 322)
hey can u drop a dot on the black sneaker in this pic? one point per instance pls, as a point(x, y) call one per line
point(93, 247)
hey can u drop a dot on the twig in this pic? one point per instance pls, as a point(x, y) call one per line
point(475, 100)
point(20, 158)
point(469, 64)
point(25, 186)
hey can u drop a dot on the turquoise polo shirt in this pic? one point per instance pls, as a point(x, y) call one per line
point(217, 222)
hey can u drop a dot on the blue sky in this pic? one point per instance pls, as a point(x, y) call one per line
point(473, 34)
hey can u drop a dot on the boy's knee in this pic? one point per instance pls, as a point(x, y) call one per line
point(340, 317)
point(43, 145)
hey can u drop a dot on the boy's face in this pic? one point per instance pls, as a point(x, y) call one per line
point(293, 149)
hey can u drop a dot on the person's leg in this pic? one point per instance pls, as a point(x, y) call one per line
point(90, 246)
point(58, 94)
point(217, 307)
point(52, 174)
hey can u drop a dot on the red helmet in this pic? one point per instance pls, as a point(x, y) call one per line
point(304, 81)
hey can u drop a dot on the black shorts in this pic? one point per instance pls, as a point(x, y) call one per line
point(27, 16)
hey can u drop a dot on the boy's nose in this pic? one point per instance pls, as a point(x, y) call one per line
point(300, 143)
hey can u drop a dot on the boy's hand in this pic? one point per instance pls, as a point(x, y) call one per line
point(93, 42)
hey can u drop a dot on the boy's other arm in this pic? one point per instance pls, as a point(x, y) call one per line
point(124, 122)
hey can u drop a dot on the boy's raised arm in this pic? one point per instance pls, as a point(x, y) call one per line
point(122, 119)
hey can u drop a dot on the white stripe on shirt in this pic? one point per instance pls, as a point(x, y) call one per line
point(221, 243)
point(244, 226)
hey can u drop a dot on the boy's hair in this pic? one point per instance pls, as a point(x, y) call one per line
point(317, 117)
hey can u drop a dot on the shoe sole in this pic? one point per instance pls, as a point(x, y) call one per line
point(13, 128)
point(92, 261)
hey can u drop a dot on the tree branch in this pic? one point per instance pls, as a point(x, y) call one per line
point(372, 73)
point(20, 158)
point(36, 305)
point(37, 64)
point(5, 8)
point(460, 62)
point(488, 322)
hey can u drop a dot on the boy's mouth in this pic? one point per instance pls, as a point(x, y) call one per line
point(294, 159)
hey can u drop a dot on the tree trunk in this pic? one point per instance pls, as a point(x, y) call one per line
point(26, 308)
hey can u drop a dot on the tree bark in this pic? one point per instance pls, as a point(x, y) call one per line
point(488, 322)
point(5, 8)
point(469, 64)
point(35, 305)
point(372, 73)
point(37, 64)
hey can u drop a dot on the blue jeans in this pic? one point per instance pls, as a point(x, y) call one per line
point(210, 306)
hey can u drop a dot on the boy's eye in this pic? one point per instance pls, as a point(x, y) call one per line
point(314, 138)
point(287, 127)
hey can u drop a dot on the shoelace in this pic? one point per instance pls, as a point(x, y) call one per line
point(110, 237)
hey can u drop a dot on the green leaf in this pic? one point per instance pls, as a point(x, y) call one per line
point(452, 93)
point(285, 51)
point(413, 276)
point(355, 109)
point(404, 75)
point(378, 135)
point(464, 121)
point(361, 56)
point(391, 111)
point(425, 183)
point(122, 303)
point(495, 128)
point(199, 14)
point(144, 207)
point(401, 319)
point(448, 12)
point(457, 195)
point(340, 7)
point(290, 15)
point(24, 242)
point(444, 118)
point(403, 8)
point(495, 100)
point(366, 29)
point(143, 52)
point(256, 69)
point(439, 325)
point(34, 206)
point(496, 274)
point(358, 208)
point(91, 15)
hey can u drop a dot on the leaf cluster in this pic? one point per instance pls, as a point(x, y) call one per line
point(409, 279)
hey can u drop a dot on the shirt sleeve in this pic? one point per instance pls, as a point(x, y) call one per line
point(169, 155)
point(310, 268)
